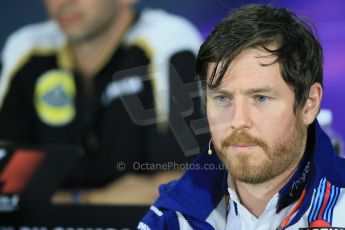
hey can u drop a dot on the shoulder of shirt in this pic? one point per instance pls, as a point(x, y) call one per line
point(42, 38)
point(162, 34)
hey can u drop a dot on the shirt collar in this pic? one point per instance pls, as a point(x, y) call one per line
point(234, 196)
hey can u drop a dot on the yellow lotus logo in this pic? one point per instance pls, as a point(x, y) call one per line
point(54, 97)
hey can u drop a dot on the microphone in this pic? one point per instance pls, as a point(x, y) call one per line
point(209, 152)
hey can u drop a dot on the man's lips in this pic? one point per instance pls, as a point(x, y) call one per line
point(68, 18)
point(242, 145)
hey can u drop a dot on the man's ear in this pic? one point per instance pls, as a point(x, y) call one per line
point(312, 105)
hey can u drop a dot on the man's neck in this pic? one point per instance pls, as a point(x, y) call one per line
point(89, 56)
point(255, 197)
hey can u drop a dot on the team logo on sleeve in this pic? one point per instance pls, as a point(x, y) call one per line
point(54, 96)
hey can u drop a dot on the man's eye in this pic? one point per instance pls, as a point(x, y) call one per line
point(221, 98)
point(261, 98)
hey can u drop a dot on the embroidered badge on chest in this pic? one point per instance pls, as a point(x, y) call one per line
point(54, 96)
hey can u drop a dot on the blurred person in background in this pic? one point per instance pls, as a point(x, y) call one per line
point(325, 118)
point(57, 87)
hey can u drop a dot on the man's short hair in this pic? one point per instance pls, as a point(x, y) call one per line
point(298, 51)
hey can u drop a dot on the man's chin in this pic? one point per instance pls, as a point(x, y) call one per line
point(252, 172)
point(247, 159)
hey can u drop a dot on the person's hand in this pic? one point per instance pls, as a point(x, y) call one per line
point(130, 189)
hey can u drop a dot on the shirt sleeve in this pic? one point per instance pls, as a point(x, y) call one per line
point(156, 219)
point(16, 114)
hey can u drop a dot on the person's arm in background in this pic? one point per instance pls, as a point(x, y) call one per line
point(15, 112)
point(172, 43)
point(176, 42)
point(2, 142)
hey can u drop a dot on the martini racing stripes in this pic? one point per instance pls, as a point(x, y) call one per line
point(322, 208)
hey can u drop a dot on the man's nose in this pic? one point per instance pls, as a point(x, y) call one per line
point(241, 116)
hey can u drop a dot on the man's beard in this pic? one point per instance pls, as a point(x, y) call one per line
point(281, 156)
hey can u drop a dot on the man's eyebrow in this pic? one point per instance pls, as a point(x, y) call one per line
point(217, 90)
point(251, 91)
point(266, 89)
